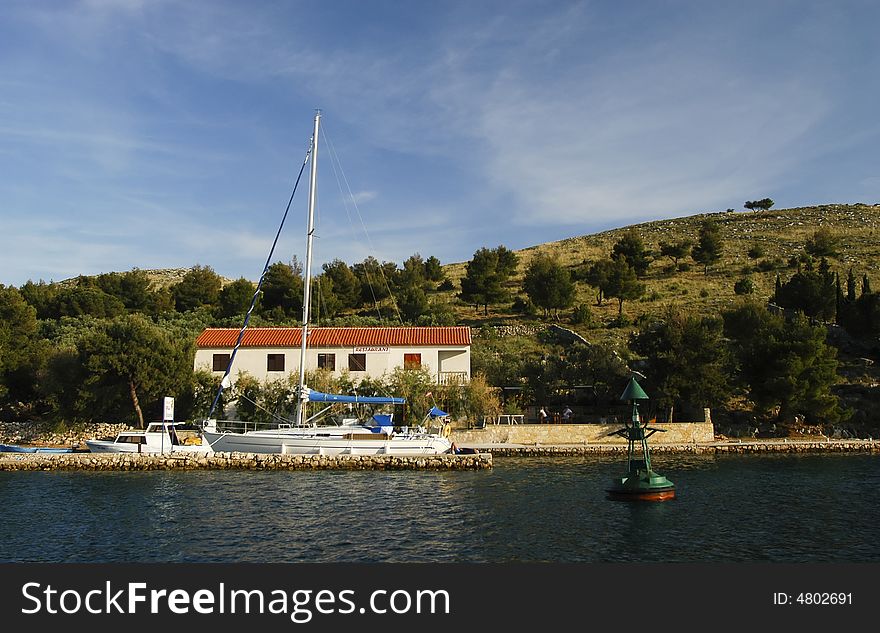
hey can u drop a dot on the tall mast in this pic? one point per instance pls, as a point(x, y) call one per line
point(307, 274)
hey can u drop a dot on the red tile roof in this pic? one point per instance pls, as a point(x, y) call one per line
point(337, 336)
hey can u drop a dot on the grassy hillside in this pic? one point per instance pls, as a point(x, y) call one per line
point(781, 234)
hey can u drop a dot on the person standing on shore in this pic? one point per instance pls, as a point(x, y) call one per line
point(542, 416)
point(566, 415)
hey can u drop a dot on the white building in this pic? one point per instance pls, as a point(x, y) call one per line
point(268, 353)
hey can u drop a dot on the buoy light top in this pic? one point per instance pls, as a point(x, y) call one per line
point(633, 391)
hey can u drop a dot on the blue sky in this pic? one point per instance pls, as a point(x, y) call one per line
point(164, 133)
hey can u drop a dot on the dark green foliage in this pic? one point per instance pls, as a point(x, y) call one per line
point(676, 251)
point(785, 366)
point(744, 286)
point(42, 297)
point(133, 288)
point(346, 285)
point(446, 285)
point(199, 287)
point(582, 315)
point(524, 305)
point(548, 284)
point(709, 246)
point(631, 249)
point(282, 291)
point(553, 373)
point(437, 314)
point(433, 269)
point(410, 289)
point(811, 292)
point(861, 318)
point(486, 275)
point(597, 275)
point(18, 329)
point(132, 358)
point(412, 301)
point(80, 300)
point(688, 361)
point(622, 284)
point(756, 251)
point(850, 286)
point(375, 279)
point(823, 243)
point(235, 298)
point(759, 205)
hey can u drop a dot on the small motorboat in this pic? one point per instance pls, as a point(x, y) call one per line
point(159, 437)
point(18, 448)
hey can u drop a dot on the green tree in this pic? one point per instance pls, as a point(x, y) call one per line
point(375, 279)
point(823, 243)
point(631, 249)
point(811, 292)
point(200, 286)
point(548, 284)
point(759, 205)
point(785, 366)
point(485, 277)
point(688, 361)
point(134, 288)
point(433, 269)
point(131, 355)
point(235, 298)
point(42, 297)
point(850, 286)
point(709, 246)
point(18, 330)
point(282, 291)
point(597, 275)
point(622, 284)
point(346, 285)
point(80, 299)
point(676, 250)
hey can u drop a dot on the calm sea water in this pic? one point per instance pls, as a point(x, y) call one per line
point(751, 508)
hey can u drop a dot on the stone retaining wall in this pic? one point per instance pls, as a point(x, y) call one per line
point(556, 434)
point(43, 434)
point(238, 461)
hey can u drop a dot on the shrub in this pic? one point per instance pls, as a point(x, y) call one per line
point(744, 286)
point(582, 315)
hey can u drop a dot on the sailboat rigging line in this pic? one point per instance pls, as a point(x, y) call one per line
point(264, 409)
point(256, 295)
point(334, 162)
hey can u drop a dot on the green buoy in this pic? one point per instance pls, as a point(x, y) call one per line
point(640, 483)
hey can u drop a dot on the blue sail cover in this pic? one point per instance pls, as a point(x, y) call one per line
point(383, 419)
point(437, 413)
point(317, 396)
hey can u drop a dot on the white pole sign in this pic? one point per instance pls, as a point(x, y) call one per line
point(169, 409)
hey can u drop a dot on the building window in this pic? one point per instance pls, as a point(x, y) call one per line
point(327, 361)
point(412, 361)
point(357, 362)
point(275, 362)
point(221, 362)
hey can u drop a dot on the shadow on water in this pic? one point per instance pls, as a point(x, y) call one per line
point(777, 508)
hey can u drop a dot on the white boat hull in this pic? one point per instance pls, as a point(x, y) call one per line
point(328, 444)
point(107, 446)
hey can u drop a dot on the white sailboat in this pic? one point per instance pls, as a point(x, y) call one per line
point(303, 435)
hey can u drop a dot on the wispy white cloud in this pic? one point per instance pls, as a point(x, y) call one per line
point(166, 128)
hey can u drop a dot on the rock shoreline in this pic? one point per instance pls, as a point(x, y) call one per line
point(237, 461)
point(716, 448)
